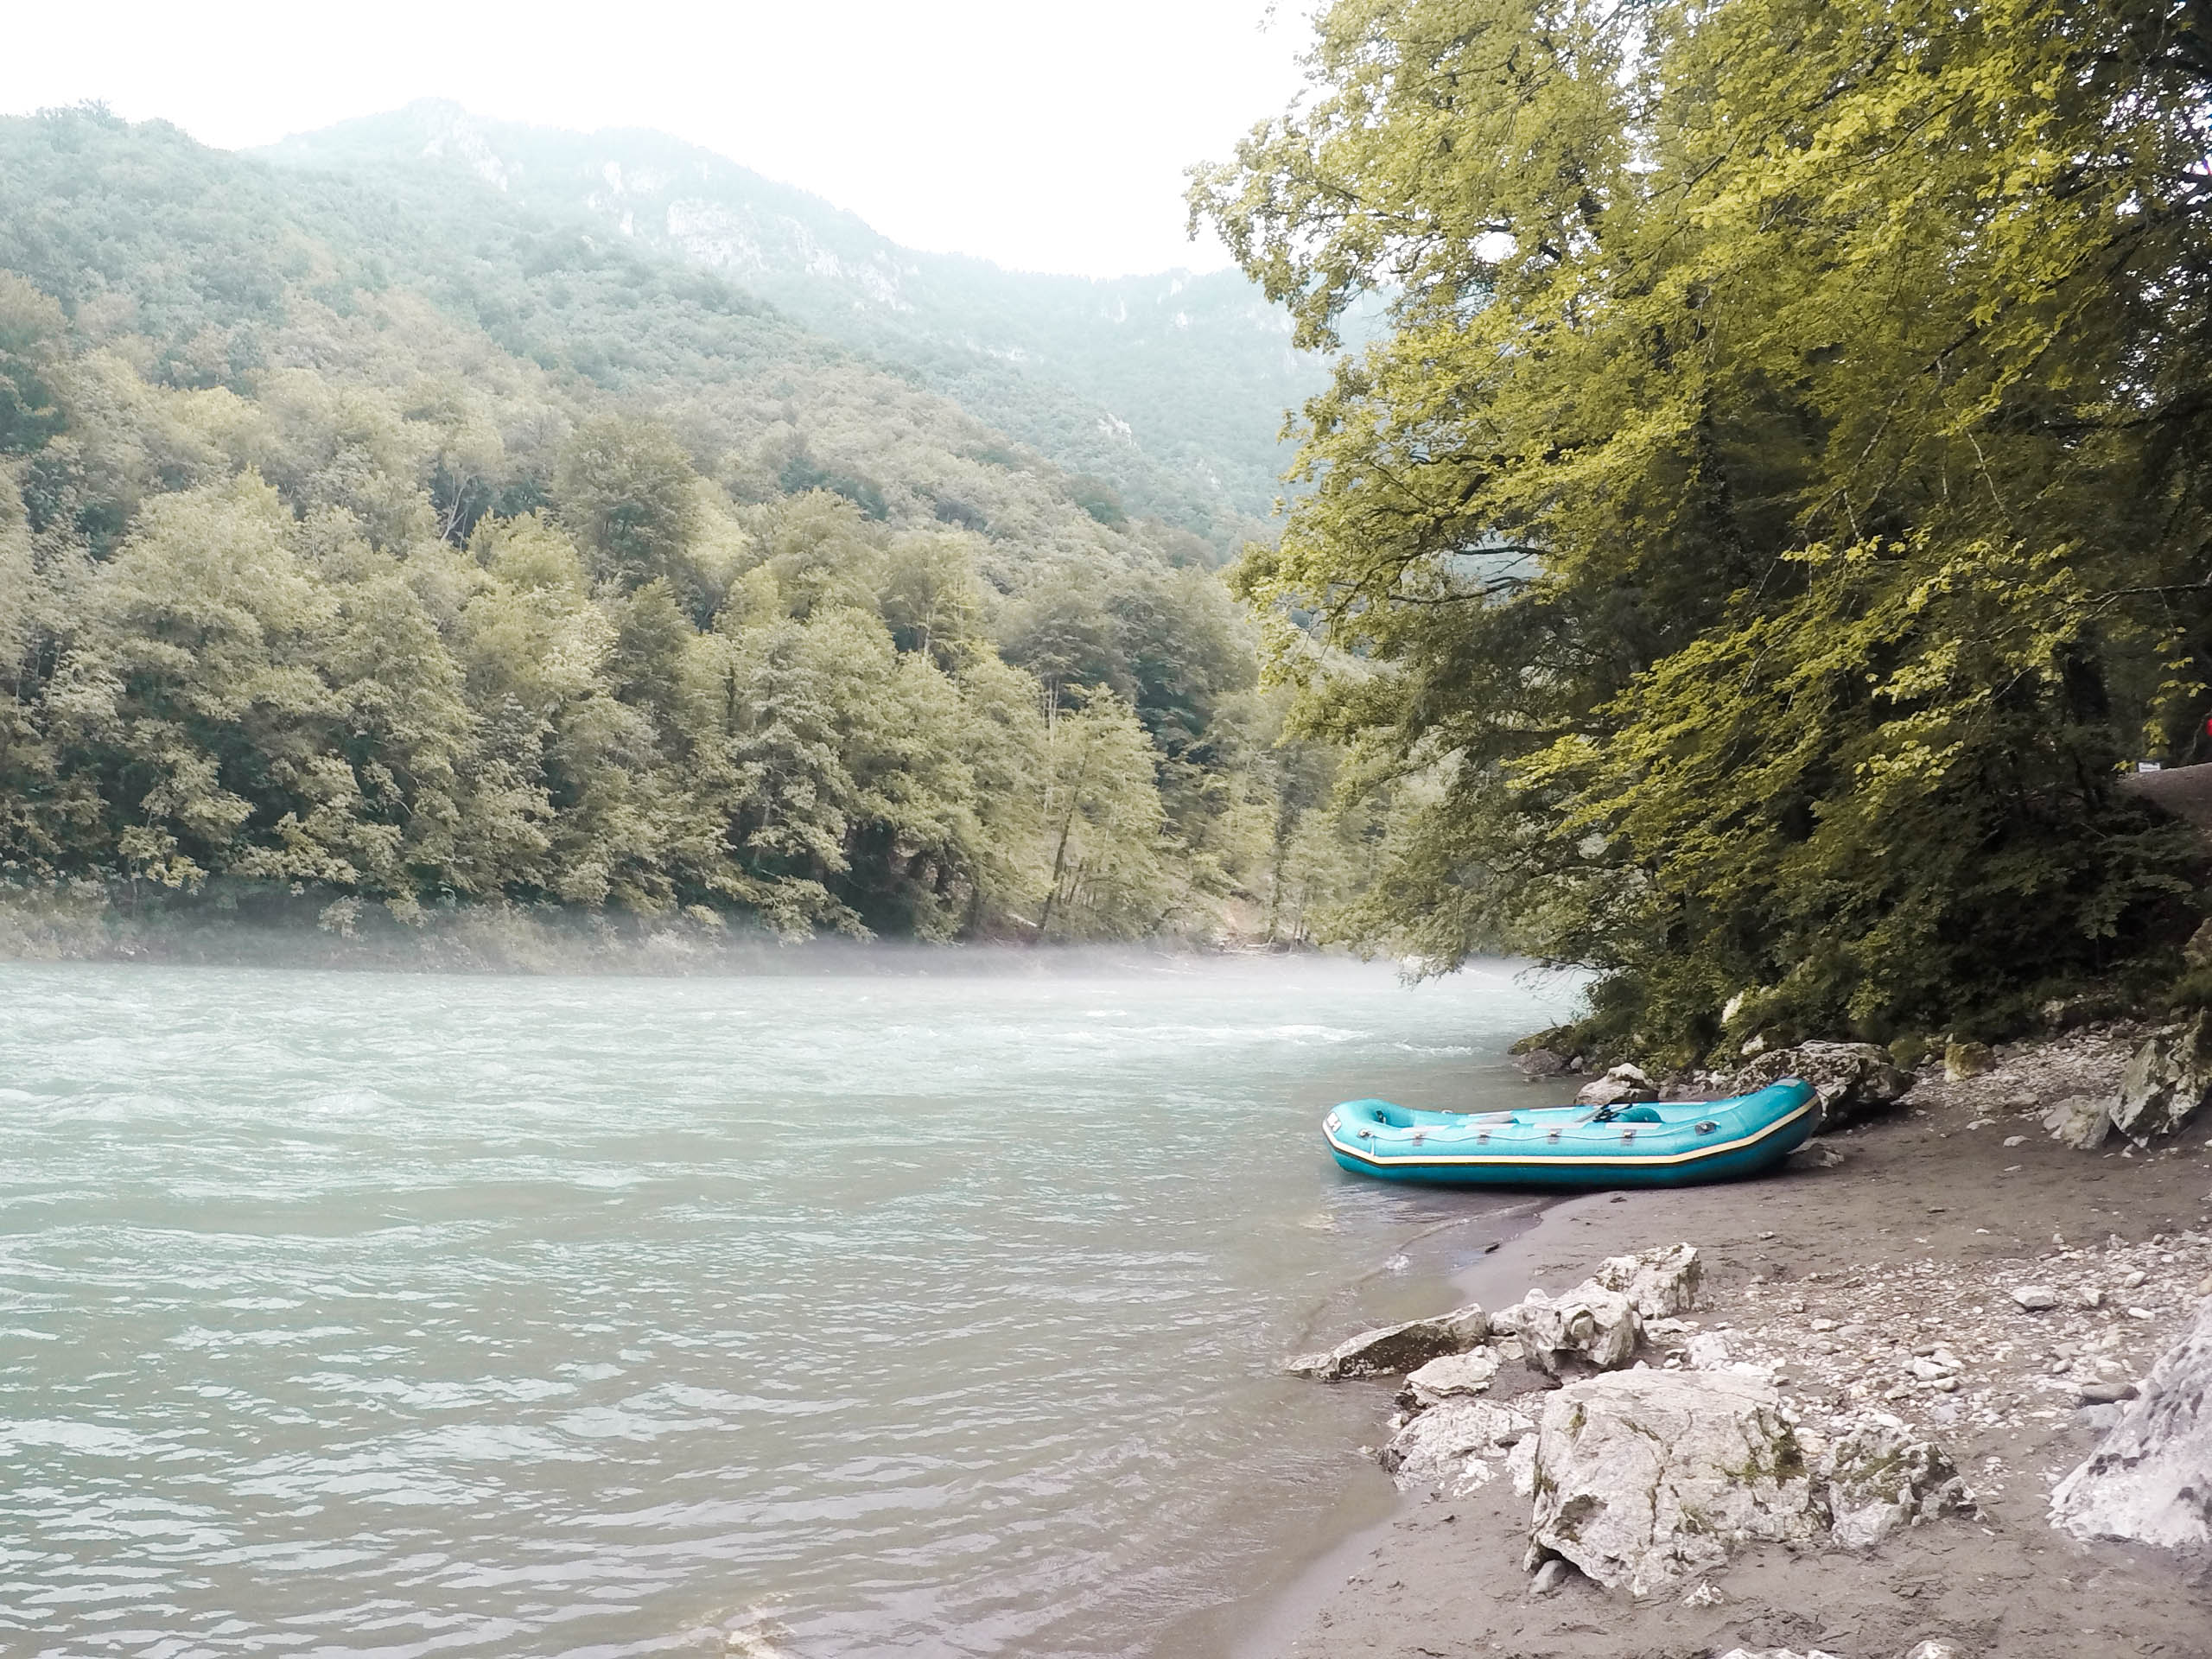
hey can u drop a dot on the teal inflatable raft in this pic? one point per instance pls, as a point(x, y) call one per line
point(1661, 1143)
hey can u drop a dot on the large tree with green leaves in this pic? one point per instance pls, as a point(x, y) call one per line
point(1778, 508)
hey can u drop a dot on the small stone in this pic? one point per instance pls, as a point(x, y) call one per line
point(2034, 1299)
point(1706, 1594)
point(2129, 1282)
point(1935, 1648)
point(2016, 1140)
point(1549, 1577)
point(2092, 1296)
point(2098, 1420)
point(2140, 1314)
point(1707, 1351)
point(2106, 1392)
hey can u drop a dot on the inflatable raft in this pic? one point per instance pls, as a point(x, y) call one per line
point(1658, 1143)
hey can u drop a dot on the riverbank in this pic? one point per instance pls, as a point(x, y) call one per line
point(1837, 1277)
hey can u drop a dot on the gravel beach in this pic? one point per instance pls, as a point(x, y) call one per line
point(1891, 1279)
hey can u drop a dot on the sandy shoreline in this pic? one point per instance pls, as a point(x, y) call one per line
point(1912, 1241)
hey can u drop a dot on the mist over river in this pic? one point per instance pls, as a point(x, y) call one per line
point(834, 1314)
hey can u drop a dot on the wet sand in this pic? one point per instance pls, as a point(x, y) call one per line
point(1913, 1237)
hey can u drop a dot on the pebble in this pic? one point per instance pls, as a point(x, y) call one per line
point(2129, 1282)
point(2034, 1299)
point(1552, 1574)
point(2107, 1394)
point(2016, 1140)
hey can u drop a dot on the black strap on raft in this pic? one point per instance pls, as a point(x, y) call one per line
point(1604, 1114)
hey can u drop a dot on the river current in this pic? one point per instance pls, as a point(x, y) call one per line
point(833, 1313)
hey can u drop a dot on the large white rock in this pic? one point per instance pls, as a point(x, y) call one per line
point(1590, 1323)
point(1397, 1349)
point(1641, 1478)
point(1459, 1446)
point(1658, 1283)
point(2150, 1479)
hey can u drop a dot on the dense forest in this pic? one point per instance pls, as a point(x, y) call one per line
point(1169, 388)
point(400, 560)
point(1781, 505)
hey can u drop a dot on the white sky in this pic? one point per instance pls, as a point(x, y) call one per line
point(1043, 134)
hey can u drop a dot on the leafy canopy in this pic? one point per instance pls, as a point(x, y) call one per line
point(1778, 509)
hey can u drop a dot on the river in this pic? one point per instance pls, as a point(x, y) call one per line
point(832, 1313)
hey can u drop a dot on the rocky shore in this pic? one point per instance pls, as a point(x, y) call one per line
point(1837, 1424)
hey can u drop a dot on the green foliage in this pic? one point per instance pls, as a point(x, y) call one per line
point(1780, 506)
point(413, 564)
point(625, 489)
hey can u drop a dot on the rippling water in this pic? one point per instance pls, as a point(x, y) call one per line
point(398, 1315)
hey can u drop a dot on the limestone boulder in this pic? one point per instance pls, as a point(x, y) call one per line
point(1876, 1479)
point(2167, 1082)
point(1853, 1080)
point(2082, 1122)
point(1658, 1283)
point(1459, 1446)
point(1597, 1326)
point(2150, 1479)
point(1643, 1479)
point(1455, 1376)
point(1621, 1085)
point(1397, 1349)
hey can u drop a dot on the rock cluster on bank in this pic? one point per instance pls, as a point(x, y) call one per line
point(1641, 1477)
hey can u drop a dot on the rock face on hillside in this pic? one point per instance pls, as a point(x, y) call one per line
point(1853, 1080)
point(2151, 1480)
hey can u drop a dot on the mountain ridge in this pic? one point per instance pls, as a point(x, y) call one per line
point(1171, 387)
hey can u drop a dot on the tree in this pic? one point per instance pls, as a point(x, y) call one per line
point(624, 491)
point(1779, 505)
point(1103, 814)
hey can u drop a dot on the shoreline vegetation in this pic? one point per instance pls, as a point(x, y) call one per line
point(431, 554)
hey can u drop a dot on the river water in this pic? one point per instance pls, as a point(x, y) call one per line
point(827, 1315)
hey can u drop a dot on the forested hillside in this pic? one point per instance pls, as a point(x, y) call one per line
point(1169, 388)
point(412, 551)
